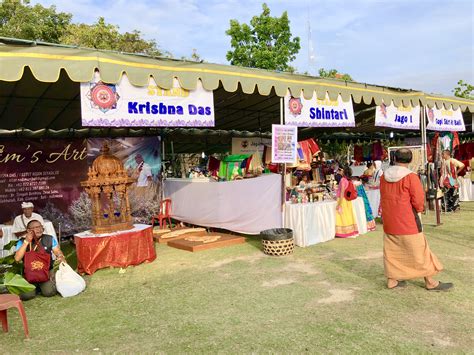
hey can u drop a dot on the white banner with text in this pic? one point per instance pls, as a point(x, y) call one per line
point(318, 113)
point(397, 117)
point(444, 120)
point(249, 145)
point(125, 105)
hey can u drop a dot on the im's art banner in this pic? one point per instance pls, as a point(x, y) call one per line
point(397, 117)
point(444, 120)
point(318, 113)
point(125, 105)
point(141, 158)
point(40, 171)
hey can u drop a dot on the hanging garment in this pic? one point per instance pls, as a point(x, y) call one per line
point(456, 141)
point(358, 153)
point(255, 164)
point(267, 154)
point(465, 151)
point(213, 164)
point(306, 150)
point(447, 139)
point(318, 175)
point(437, 148)
point(222, 170)
point(313, 146)
point(429, 152)
point(367, 152)
point(368, 210)
point(377, 151)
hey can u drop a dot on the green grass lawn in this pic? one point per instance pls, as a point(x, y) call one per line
point(328, 298)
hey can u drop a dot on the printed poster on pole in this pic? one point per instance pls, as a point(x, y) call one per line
point(284, 143)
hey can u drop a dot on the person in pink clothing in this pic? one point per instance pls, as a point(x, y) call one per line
point(346, 223)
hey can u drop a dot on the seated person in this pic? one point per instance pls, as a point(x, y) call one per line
point(34, 234)
point(21, 221)
point(304, 182)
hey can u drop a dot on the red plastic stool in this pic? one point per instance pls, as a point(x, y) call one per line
point(164, 214)
point(12, 301)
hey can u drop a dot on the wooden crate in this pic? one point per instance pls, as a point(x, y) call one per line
point(224, 241)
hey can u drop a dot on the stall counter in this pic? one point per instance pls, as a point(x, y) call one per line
point(246, 206)
point(314, 223)
point(466, 189)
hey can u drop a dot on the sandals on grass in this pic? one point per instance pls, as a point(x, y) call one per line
point(400, 284)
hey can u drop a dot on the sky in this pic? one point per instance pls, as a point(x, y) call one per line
point(423, 45)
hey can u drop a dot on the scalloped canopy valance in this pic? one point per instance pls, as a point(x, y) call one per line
point(47, 61)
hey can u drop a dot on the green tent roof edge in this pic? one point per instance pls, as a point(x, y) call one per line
point(46, 61)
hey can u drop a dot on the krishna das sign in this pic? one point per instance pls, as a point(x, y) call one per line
point(318, 113)
point(125, 105)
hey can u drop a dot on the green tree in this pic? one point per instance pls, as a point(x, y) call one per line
point(103, 35)
point(464, 90)
point(37, 23)
point(333, 73)
point(19, 19)
point(266, 43)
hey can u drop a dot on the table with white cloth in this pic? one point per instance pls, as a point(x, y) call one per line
point(374, 200)
point(246, 206)
point(314, 223)
point(8, 236)
point(358, 170)
point(466, 190)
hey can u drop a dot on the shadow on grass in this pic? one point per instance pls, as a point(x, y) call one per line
point(254, 241)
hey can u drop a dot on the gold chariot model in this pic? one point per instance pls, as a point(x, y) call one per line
point(108, 185)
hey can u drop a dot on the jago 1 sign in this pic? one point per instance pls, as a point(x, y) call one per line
point(403, 119)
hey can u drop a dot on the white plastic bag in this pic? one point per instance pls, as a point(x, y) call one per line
point(68, 282)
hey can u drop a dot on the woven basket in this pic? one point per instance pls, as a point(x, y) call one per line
point(278, 247)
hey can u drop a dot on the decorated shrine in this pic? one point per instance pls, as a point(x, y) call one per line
point(107, 186)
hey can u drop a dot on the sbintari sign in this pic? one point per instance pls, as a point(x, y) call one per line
point(125, 105)
point(318, 113)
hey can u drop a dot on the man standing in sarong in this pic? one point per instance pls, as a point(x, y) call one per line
point(405, 249)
